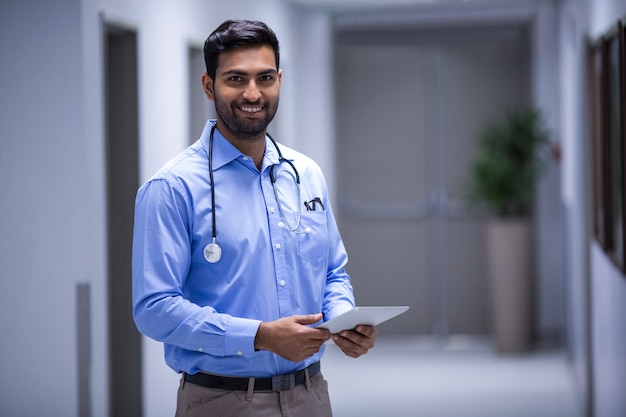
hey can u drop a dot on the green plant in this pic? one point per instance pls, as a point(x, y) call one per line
point(508, 163)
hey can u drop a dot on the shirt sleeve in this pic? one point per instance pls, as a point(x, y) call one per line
point(161, 260)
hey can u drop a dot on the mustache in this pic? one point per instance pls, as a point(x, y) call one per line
point(258, 102)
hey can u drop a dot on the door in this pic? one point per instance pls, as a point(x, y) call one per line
point(125, 388)
point(409, 104)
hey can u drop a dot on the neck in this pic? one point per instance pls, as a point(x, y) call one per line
point(253, 145)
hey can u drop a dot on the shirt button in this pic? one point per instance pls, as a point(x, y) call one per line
point(282, 282)
point(272, 209)
point(200, 349)
point(277, 246)
point(307, 230)
point(239, 353)
point(246, 158)
point(281, 224)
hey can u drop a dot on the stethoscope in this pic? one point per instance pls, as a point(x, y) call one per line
point(213, 251)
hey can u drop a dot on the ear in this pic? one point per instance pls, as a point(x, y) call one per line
point(207, 85)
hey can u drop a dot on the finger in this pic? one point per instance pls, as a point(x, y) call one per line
point(345, 340)
point(308, 319)
point(307, 352)
point(321, 334)
point(353, 336)
point(347, 346)
point(356, 342)
point(367, 331)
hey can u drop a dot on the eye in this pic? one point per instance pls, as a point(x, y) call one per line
point(235, 78)
point(266, 80)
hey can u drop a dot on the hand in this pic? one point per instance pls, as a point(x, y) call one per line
point(291, 337)
point(357, 342)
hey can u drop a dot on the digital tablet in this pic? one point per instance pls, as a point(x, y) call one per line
point(371, 316)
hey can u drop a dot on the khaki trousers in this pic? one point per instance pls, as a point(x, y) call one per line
point(305, 400)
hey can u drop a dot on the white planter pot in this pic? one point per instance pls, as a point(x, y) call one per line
point(508, 249)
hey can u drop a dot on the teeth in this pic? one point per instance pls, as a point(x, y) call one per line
point(251, 109)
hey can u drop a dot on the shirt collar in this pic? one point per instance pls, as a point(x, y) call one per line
point(225, 152)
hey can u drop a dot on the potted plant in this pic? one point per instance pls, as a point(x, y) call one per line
point(502, 180)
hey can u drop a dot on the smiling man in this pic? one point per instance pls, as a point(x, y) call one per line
point(245, 91)
point(233, 263)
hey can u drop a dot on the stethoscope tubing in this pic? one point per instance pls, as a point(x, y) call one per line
point(212, 251)
point(213, 221)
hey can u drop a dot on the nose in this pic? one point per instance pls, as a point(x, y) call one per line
point(252, 92)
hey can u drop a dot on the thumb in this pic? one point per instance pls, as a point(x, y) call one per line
point(308, 319)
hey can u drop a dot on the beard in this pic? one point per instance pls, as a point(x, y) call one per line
point(243, 127)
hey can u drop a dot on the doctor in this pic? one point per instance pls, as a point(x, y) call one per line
point(236, 253)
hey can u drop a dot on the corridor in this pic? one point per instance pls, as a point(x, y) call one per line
point(413, 377)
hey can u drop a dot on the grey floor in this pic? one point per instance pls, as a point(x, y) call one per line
point(413, 376)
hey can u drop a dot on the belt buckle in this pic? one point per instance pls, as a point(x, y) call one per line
point(283, 382)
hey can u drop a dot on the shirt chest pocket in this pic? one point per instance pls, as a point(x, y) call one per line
point(313, 241)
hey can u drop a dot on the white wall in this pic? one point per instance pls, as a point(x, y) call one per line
point(549, 225)
point(608, 285)
point(574, 189)
point(596, 289)
point(609, 336)
point(314, 93)
point(45, 248)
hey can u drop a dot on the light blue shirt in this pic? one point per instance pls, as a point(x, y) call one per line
point(207, 314)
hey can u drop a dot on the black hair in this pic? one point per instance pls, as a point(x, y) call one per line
point(235, 33)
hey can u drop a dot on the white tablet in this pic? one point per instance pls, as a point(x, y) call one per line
point(362, 315)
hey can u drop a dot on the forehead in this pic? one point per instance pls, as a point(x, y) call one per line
point(247, 59)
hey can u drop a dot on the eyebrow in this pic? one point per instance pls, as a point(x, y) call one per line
point(239, 72)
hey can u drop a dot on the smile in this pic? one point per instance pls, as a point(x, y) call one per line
point(251, 109)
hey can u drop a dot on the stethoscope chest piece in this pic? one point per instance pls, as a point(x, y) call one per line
point(212, 252)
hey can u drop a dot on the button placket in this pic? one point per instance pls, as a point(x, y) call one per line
point(277, 229)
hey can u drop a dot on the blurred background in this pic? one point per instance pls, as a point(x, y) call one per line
point(388, 96)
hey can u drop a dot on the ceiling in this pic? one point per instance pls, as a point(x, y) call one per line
point(428, 4)
point(392, 14)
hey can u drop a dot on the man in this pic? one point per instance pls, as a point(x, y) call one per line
point(236, 253)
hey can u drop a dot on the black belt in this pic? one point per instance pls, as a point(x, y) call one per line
point(275, 383)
